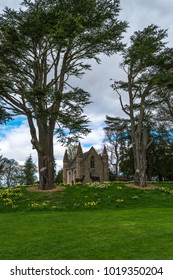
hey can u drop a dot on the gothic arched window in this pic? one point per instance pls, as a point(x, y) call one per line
point(92, 162)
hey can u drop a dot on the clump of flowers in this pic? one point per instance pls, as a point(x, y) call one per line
point(14, 206)
point(54, 207)
point(9, 195)
point(119, 200)
point(35, 185)
point(98, 185)
point(135, 197)
point(91, 203)
point(7, 201)
point(119, 188)
point(166, 190)
point(163, 189)
point(36, 205)
point(78, 183)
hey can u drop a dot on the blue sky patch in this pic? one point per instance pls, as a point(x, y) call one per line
point(16, 122)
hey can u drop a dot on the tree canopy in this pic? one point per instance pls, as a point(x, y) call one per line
point(143, 64)
point(42, 46)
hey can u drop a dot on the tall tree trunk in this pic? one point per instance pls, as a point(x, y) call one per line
point(117, 160)
point(46, 156)
point(43, 143)
point(140, 163)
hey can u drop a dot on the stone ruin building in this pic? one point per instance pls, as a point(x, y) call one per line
point(86, 167)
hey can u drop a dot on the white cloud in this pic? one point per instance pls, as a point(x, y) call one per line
point(16, 143)
point(94, 138)
point(140, 13)
point(8, 3)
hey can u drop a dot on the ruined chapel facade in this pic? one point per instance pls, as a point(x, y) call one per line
point(86, 167)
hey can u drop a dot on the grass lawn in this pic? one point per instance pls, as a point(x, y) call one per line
point(117, 223)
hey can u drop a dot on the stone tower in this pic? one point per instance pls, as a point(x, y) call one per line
point(65, 167)
point(79, 158)
point(105, 165)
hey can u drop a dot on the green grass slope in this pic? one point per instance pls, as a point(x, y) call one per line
point(87, 222)
point(92, 196)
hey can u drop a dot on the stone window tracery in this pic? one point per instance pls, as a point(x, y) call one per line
point(92, 162)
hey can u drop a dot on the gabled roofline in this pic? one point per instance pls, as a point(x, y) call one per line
point(95, 152)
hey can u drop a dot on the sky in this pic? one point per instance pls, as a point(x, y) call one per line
point(15, 137)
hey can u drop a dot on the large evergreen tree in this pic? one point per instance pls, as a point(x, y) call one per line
point(29, 171)
point(41, 46)
point(142, 65)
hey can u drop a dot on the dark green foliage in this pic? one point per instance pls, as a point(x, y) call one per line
point(54, 36)
point(118, 139)
point(42, 46)
point(4, 116)
point(112, 175)
point(159, 156)
point(140, 63)
point(71, 121)
point(29, 171)
point(127, 164)
point(59, 177)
